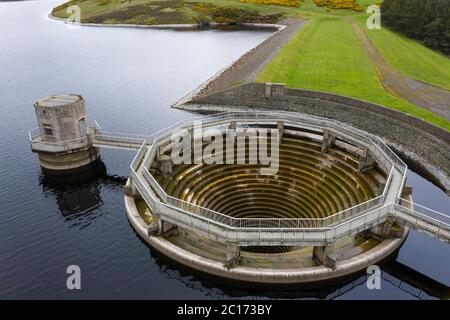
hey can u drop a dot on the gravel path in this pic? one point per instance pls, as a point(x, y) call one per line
point(427, 96)
point(246, 68)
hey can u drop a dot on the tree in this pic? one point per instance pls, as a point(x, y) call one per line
point(425, 20)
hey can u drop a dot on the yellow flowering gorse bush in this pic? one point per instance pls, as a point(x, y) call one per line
point(286, 3)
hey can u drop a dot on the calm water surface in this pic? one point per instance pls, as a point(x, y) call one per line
point(129, 78)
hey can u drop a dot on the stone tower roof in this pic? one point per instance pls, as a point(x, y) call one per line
point(59, 100)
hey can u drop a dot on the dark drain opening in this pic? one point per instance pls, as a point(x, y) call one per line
point(269, 249)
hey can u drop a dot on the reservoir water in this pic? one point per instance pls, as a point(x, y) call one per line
point(129, 78)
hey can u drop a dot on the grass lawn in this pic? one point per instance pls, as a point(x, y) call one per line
point(326, 55)
point(409, 56)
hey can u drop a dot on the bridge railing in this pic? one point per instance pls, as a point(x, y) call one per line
point(139, 157)
point(36, 139)
point(408, 205)
point(93, 127)
point(261, 223)
point(227, 232)
point(117, 137)
point(423, 218)
point(34, 134)
point(37, 142)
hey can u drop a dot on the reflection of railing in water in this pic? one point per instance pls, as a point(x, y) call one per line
point(404, 278)
point(414, 282)
point(403, 286)
point(406, 287)
point(347, 287)
point(426, 220)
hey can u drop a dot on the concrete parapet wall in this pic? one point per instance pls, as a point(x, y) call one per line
point(424, 146)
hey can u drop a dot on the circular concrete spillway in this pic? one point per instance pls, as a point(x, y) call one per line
point(310, 186)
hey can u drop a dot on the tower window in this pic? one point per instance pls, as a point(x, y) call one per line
point(48, 132)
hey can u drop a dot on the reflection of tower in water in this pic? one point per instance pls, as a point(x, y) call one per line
point(79, 196)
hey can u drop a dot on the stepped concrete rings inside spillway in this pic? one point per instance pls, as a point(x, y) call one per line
point(322, 215)
point(308, 184)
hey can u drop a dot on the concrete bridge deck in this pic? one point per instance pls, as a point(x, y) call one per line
point(117, 141)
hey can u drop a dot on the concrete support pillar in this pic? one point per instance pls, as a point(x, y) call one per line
point(407, 191)
point(366, 162)
point(280, 125)
point(130, 190)
point(325, 255)
point(268, 90)
point(274, 91)
point(164, 165)
point(154, 229)
point(390, 229)
point(168, 228)
point(233, 254)
point(159, 227)
point(232, 125)
point(381, 188)
point(327, 141)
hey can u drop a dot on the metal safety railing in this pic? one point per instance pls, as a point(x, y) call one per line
point(118, 138)
point(36, 139)
point(423, 218)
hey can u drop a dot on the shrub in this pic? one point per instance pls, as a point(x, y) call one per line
point(286, 3)
point(339, 4)
point(424, 20)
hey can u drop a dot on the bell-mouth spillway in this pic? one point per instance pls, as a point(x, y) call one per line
point(308, 183)
point(335, 205)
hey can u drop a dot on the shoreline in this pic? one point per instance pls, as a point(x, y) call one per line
point(181, 26)
point(208, 85)
point(245, 68)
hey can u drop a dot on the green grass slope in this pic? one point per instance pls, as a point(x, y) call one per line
point(326, 55)
point(409, 56)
